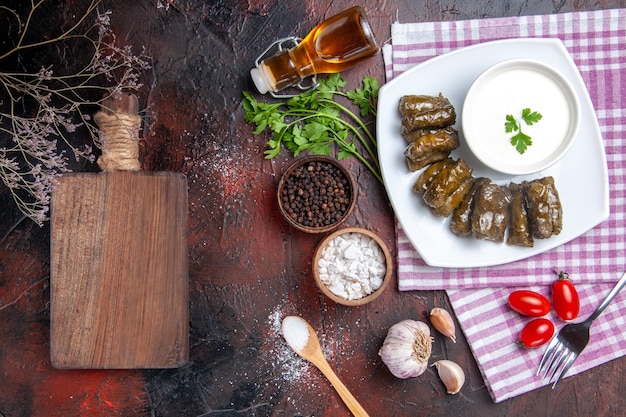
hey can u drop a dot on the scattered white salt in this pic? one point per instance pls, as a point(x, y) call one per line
point(288, 367)
point(296, 332)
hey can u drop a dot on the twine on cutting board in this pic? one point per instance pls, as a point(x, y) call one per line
point(119, 138)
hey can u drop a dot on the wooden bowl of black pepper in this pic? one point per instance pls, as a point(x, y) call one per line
point(316, 194)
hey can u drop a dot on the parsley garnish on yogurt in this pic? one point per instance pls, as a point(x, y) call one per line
point(520, 140)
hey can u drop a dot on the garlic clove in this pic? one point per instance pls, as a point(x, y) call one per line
point(442, 321)
point(451, 374)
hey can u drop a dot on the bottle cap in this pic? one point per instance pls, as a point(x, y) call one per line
point(259, 80)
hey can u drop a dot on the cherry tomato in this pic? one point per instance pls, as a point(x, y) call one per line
point(536, 333)
point(565, 298)
point(529, 303)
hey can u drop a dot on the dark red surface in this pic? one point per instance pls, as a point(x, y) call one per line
point(247, 267)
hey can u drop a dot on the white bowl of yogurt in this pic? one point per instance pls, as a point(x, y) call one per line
point(520, 116)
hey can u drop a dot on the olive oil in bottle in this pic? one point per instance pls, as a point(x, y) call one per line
point(334, 45)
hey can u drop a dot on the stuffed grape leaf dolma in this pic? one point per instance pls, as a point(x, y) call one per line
point(442, 117)
point(431, 147)
point(490, 214)
point(429, 174)
point(421, 103)
point(544, 208)
point(423, 112)
point(519, 227)
point(417, 133)
point(444, 185)
point(460, 223)
point(455, 198)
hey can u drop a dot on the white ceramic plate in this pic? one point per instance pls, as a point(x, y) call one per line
point(581, 176)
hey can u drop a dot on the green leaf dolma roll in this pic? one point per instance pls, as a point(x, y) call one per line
point(446, 182)
point(437, 118)
point(519, 225)
point(490, 214)
point(544, 208)
point(423, 112)
point(431, 147)
point(460, 224)
point(427, 176)
point(421, 103)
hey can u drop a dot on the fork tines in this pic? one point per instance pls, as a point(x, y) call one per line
point(557, 359)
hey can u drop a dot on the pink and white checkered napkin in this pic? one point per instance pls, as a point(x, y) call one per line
point(595, 260)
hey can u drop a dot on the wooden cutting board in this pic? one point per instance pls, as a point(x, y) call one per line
point(119, 270)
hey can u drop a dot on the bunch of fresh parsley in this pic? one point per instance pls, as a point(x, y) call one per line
point(312, 121)
point(521, 141)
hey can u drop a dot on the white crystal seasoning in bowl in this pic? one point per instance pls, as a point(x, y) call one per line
point(352, 266)
point(499, 95)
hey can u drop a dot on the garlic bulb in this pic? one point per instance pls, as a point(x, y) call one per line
point(406, 348)
point(442, 321)
point(451, 375)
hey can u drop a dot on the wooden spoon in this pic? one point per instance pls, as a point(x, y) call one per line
point(302, 338)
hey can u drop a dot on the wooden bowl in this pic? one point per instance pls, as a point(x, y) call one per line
point(332, 295)
point(296, 216)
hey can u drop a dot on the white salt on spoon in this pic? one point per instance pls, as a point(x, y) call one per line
point(302, 338)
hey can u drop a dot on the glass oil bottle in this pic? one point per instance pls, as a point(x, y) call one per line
point(334, 45)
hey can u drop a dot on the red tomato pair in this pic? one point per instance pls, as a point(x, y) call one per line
point(529, 303)
point(564, 299)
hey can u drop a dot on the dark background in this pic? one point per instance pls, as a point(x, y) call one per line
point(248, 269)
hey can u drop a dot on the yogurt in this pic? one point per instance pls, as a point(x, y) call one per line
point(506, 89)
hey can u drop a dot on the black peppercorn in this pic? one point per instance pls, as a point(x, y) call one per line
point(316, 195)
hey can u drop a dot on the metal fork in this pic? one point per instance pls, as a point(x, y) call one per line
point(565, 347)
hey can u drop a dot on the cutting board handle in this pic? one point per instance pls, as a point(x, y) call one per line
point(121, 103)
point(119, 125)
